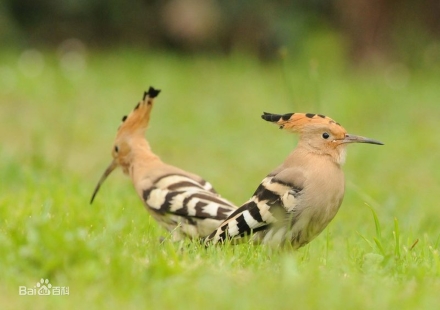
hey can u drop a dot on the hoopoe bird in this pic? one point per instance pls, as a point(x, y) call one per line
point(297, 200)
point(182, 202)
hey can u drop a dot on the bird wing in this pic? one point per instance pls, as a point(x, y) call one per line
point(276, 196)
point(181, 195)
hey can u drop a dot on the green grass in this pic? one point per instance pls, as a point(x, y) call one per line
point(380, 252)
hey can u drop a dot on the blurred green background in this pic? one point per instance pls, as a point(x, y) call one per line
point(69, 71)
point(369, 30)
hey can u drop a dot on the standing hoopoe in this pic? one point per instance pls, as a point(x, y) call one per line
point(297, 200)
point(180, 201)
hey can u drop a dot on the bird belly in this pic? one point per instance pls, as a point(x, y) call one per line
point(300, 227)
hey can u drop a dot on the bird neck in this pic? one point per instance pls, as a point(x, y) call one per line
point(142, 160)
point(335, 154)
point(310, 158)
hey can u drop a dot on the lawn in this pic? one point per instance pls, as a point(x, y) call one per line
point(59, 112)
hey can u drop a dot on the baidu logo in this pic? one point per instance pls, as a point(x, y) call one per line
point(43, 288)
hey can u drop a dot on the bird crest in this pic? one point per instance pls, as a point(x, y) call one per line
point(301, 122)
point(137, 121)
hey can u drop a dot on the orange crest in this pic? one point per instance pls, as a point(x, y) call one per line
point(137, 121)
point(303, 122)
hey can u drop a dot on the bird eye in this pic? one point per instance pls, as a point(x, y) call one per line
point(116, 149)
point(325, 135)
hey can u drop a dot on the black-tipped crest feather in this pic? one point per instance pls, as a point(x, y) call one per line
point(271, 117)
point(276, 117)
point(152, 93)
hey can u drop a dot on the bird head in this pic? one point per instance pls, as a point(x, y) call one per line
point(130, 134)
point(318, 133)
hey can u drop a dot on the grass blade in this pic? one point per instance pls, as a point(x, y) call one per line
point(396, 234)
point(376, 222)
point(379, 245)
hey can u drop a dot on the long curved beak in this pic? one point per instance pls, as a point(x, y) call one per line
point(107, 172)
point(358, 139)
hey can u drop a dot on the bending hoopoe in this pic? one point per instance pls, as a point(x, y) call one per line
point(180, 201)
point(297, 200)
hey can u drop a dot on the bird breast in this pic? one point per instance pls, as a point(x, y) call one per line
point(323, 193)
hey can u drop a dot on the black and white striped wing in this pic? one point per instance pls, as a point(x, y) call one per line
point(271, 203)
point(183, 196)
